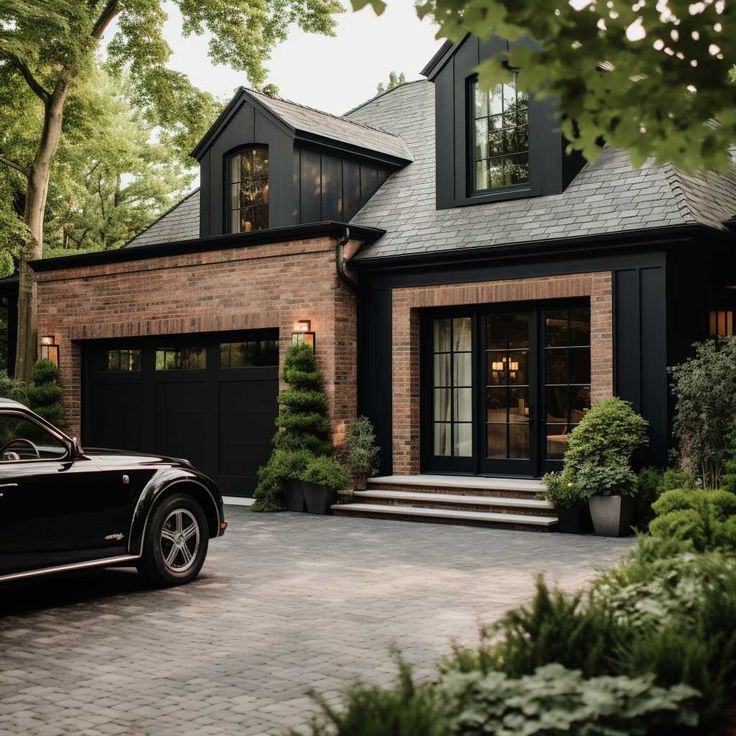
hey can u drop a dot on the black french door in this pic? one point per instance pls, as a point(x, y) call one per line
point(503, 387)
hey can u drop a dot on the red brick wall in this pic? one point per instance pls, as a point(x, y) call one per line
point(407, 303)
point(264, 286)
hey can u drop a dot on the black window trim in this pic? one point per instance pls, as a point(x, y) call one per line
point(477, 196)
point(226, 174)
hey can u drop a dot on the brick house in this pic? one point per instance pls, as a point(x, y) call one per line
point(470, 286)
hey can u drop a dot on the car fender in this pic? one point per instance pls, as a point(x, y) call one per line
point(163, 483)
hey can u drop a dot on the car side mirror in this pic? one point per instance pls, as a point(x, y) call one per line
point(76, 448)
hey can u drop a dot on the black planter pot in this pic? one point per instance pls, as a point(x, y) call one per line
point(574, 521)
point(319, 499)
point(294, 495)
point(613, 516)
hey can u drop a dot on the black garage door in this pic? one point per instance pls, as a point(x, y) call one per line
point(208, 398)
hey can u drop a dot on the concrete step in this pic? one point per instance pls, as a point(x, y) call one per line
point(461, 502)
point(447, 516)
point(459, 485)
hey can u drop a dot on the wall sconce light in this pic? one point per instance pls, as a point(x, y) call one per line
point(303, 334)
point(50, 349)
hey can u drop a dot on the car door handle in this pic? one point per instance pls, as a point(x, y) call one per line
point(7, 485)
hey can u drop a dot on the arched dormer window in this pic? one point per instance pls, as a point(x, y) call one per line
point(248, 189)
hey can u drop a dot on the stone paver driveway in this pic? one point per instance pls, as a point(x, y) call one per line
point(285, 603)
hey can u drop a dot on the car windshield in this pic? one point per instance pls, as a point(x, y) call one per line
point(23, 439)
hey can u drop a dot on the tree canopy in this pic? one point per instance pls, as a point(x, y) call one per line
point(49, 49)
point(655, 79)
point(394, 80)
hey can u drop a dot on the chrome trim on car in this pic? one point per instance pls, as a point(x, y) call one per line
point(103, 562)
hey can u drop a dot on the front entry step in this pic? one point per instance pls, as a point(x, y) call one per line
point(492, 502)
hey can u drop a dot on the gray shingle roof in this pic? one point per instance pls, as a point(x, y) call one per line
point(607, 196)
point(181, 222)
point(355, 132)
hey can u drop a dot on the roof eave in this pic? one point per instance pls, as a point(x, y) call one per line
point(666, 234)
point(435, 64)
point(216, 242)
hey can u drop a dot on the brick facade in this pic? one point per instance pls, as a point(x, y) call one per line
point(263, 286)
point(406, 345)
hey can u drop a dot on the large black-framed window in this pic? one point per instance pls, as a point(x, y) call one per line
point(248, 189)
point(499, 136)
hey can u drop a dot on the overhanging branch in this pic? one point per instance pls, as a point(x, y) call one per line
point(31, 81)
point(14, 165)
point(110, 10)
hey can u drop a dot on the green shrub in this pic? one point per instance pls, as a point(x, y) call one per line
point(302, 421)
point(325, 471)
point(704, 387)
point(705, 518)
point(406, 710)
point(283, 466)
point(362, 452)
point(614, 478)
point(554, 700)
point(44, 392)
point(10, 388)
point(562, 491)
point(609, 433)
point(303, 429)
point(555, 627)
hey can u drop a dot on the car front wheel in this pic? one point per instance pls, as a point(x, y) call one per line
point(175, 544)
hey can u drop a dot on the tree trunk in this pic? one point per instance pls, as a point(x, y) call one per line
point(35, 209)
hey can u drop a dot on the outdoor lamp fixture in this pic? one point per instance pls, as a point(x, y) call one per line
point(50, 349)
point(303, 334)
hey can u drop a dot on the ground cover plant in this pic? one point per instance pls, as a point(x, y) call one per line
point(649, 648)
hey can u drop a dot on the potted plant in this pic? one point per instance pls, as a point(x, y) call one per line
point(571, 505)
point(611, 489)
point(362, 452)
point(598, 460)
point(321, 480)
point(303, 433)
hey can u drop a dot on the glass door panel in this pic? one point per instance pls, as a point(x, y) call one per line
point(452, 387)
point(566, 342)
point(508, 400)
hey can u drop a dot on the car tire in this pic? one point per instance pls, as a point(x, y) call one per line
point(175, 542)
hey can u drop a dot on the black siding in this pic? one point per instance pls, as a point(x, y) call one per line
point(550, 169)
point(647, 297)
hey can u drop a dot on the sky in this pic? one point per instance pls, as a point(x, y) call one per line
point(331, 74)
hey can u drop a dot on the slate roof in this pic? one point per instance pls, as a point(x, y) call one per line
point(356, 132)
point(607, 196)
point(181, 222)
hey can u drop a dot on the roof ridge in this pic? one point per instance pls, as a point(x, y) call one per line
point(672, 176)
point(383, 94)
point(342, 118)
point(161, 216)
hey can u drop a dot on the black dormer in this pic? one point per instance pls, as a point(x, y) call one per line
point(268, 163)
point(492, 146)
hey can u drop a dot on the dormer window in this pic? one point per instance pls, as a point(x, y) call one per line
point(500, 125)
point(248, 189)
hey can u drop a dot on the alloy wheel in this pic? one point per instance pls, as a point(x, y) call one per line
point(179, 540)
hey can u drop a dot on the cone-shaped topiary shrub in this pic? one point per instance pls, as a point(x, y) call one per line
point(44, 392)
point(303, 428)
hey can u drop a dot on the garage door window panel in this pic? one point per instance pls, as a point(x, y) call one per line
point(249, 353)
point(123, 360)
point(174, 359)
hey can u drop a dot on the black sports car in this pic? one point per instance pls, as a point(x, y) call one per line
point(64, 508)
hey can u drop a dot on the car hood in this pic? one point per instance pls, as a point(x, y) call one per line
point(105, 456)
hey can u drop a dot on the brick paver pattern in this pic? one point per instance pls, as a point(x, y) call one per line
point(285, 603)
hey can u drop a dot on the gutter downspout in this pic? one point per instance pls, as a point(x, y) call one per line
point(340, 268)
